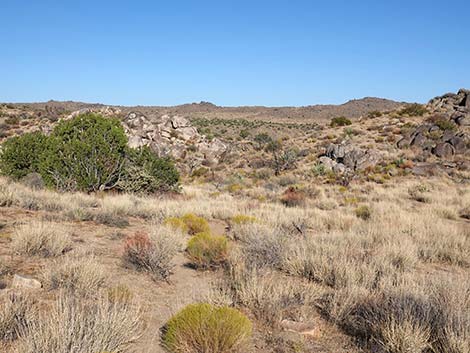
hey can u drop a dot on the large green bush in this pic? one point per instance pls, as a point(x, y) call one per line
point(20, 155)
point(86, 153)
point(145, 172)
point(206, 328)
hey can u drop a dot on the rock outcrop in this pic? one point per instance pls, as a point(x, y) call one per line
point(346, 157)
point(171, 135)
point(455, 106)
point(446, 131)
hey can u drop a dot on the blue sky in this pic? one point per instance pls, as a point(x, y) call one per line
point(232, 52)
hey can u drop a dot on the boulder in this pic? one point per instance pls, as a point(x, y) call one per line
point(304, 328)
point(444, 150)
point(25, 283)
point(352, 157)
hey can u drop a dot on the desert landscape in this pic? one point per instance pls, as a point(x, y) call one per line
point(207, 229)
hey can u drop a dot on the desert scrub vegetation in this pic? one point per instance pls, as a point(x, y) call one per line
point(154, 252)
point(195, 224)
point(78, 273)
point(206, 328)
point(207, 251)
point(20, 155)
point(16, 312)
point(45, 239)
point(87, 326)
point(340, 121)
point(414, 109)
point(87, 153)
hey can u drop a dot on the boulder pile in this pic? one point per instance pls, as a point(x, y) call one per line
point(346, 157)
point(171, 135)
point(445, 133)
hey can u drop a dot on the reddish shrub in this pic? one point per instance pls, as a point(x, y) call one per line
point(293, 197)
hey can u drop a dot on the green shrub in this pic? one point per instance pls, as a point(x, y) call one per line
point(207, 251)
point(340, 121)
point(195, 224)
point(145, 172)
point(206, 328)
point(176, 223)
point(20, 155)
point(262, 139)
point(363, 212)
point(86, 153)
point(243, 219)
point(414, 109)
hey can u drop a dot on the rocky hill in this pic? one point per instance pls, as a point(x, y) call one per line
point(352, 109)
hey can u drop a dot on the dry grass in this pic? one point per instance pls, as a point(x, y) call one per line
point(41, 238)
point(73, 324)
point(153, 253)
point(16, 312)
point(395, 282)
point(80, 274)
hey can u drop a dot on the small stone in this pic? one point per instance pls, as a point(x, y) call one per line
point(24, 282)
point(304, 328)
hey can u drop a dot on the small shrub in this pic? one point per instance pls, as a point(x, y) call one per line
point(207, 251)
point(87, 326)
point(16, 312)
point(363, 212)
point(340, 121)
point(414, 109)
point(465, 213)
point(177, 224)
point(243, 219)
point(262, 139)
point(195, 224)
point(41, 238)
point(82, 275)
point(20, 155)
point(418, 193)
point(206, 328)
point(374, 114)
point(120, 294)
point(153, 254)
point(319, 169)
point(442, 122)
point(292, 197)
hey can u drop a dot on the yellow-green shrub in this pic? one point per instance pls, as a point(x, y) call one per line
point(195, 224)
point(207, 251)
point(243, 219)
point(176, 223)
point(206, 328)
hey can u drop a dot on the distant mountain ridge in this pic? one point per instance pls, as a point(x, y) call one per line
point(352, 109)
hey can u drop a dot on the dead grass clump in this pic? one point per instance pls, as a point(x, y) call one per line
point(465, 212)
point(15, 313)
point(207, 251)
point(419, 193)
point(83, 326)
point(78, 274)
point(152, 253)
point(269, 296)
point(206, 328)
point(41, 238)
point(263, 246)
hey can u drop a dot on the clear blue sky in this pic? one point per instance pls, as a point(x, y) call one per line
point(232, 52)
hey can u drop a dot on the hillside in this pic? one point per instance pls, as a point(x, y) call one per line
point(353, 109)
point(308, 230)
